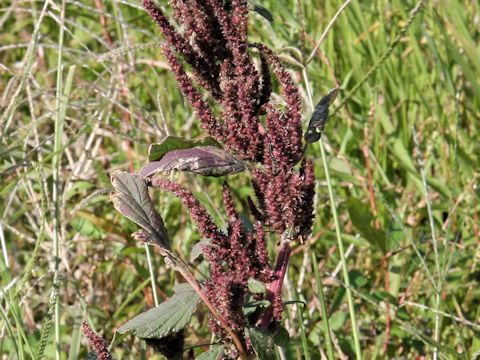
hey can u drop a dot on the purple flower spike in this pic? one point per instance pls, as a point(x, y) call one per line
point(230, 92)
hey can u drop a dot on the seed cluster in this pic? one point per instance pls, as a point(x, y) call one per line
point(212, 56)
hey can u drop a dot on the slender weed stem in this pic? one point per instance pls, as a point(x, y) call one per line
point(421, 164)
point(151, 270)
point(327, 30)
point(59, 127)
point(323, 309)
point(346, 278)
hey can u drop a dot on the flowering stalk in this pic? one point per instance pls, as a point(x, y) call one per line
point(98, 344)
point(213, 57)
point(275, 288)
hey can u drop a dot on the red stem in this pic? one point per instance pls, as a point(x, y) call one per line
point(275, 288)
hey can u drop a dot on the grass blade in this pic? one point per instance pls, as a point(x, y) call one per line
point(325, 320)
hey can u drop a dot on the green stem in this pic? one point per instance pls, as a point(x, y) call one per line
point(306, 352)
point(346, 279)
point(421, 164)
point(152, 275)
point(323, 309)
point(62, 96)
point(59, 125)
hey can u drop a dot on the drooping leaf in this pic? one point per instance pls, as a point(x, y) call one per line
point(320, 116)
point(169, 317)
point(203, 160)
point(385, 296)
point(262, 343)
point(170, 143)
point(362, 221)
point(256, 286)
point(132, 200)
point(261, 10)
point(215, 353)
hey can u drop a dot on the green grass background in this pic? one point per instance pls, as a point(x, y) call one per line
point(402, 150)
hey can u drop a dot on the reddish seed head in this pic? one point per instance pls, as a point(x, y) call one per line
point(214, 59)
point(97, 343)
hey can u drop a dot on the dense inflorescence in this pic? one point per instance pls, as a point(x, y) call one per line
point(213, 57)
point(235, 256)
point(96, 342)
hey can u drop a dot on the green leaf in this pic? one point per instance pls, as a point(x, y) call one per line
point(381, 295)
point(117, 339)
point(394, 234)
point(262, 343)
point(250, 307)
point(215, 353)
point(256, 286)
point(156, 151)
point(337, 320)
point(169, 317)
point(402, 154)
point(357, 279)
point(281, 337)
point(132, 200)
point(362, 219)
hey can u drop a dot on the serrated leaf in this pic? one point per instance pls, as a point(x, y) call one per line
point(320, 116)
point(256, 286)
point(215, 353)
point(170, 143)
point(262, 343)
point(203, 160)
point(361, 219)
point(169, 317)
point(132, 200)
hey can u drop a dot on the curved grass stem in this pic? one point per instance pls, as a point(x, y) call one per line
point(151, 271)
point(421, 164)
point(346, 279)
point(323, 309)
